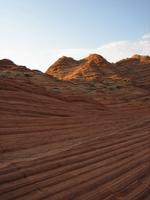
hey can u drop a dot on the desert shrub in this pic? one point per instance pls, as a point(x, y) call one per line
point(27, 75)
point(5, 74)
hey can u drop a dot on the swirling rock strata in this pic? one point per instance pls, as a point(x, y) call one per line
point(58, 143)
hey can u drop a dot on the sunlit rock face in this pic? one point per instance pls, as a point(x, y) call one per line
point(88, 68)
point(79, 131)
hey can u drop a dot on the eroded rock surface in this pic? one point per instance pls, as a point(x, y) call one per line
point(86, 139)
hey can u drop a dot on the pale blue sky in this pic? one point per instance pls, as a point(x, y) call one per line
point(36, 32)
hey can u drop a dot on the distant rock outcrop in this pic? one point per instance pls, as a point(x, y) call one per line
point(92, 67)
point(125, 79)
point(95, 67)
point(137, 69)
point(6, 62)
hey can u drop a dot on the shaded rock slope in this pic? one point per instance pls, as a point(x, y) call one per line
point(84, 136)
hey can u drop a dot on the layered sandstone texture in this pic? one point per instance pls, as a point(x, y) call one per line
point(80, 131)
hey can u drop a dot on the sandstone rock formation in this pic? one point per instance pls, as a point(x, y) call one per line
point(83, 137)
point(91, 68)
point(124, 80)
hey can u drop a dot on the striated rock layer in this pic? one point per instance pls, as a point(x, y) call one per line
point(64, 140)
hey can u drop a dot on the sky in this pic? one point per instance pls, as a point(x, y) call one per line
point(36, 33)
